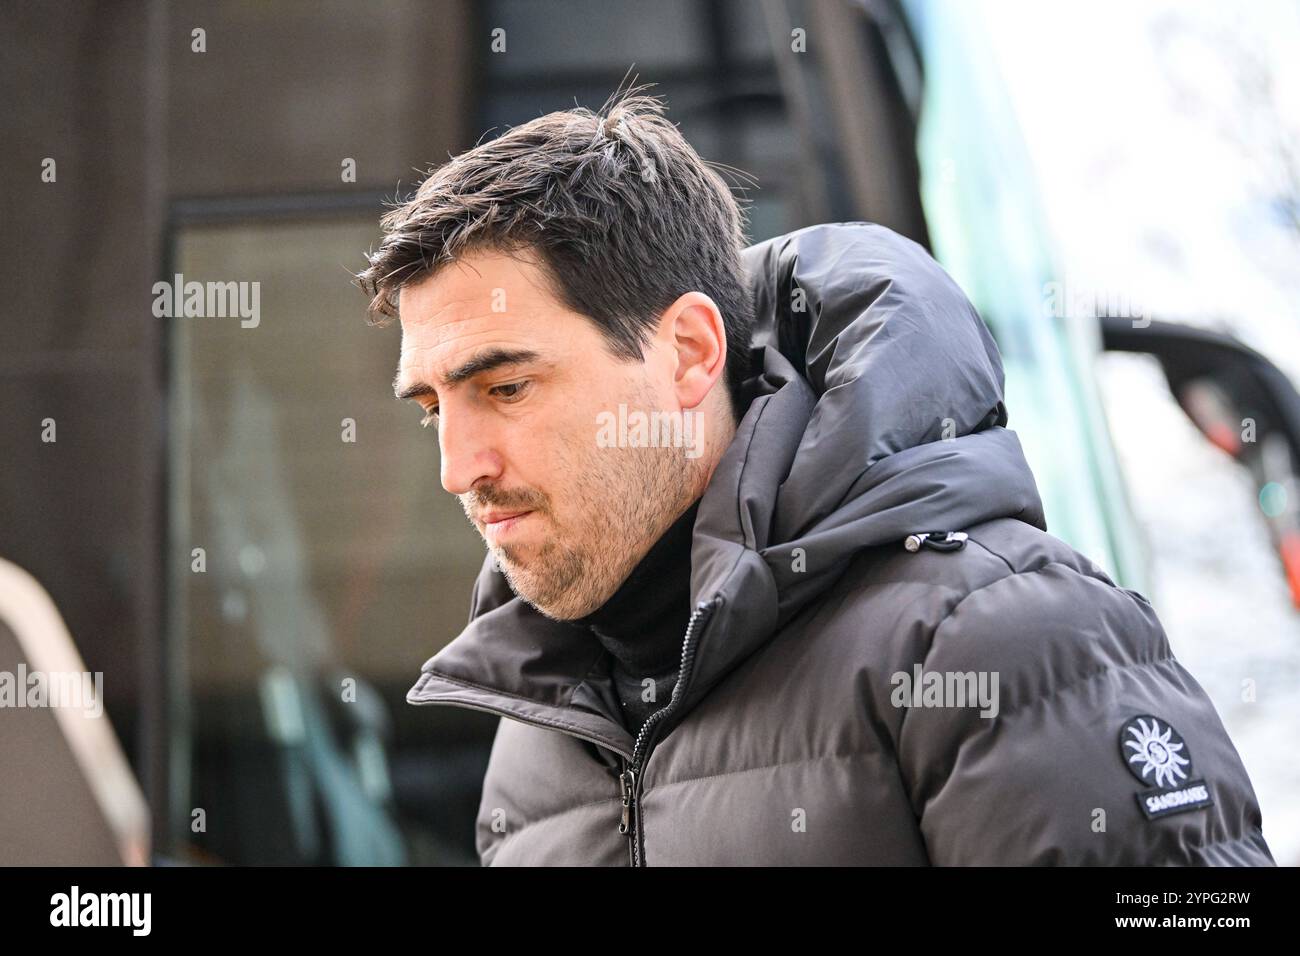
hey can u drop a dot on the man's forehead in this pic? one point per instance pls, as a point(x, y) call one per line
point(464, 331)
point(470, 299)
point(485, 302)
point(432, 352)
point(476, 280)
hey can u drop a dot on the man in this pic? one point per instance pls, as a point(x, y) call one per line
point(769, 590)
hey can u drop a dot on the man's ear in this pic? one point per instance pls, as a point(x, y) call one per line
point(692, 328)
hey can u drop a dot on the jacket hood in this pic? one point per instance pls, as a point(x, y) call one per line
point(874, 411)
point(895, 418)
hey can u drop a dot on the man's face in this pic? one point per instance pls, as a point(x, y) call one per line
point(519, 384)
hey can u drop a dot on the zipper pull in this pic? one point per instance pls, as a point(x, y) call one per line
point(938, 540)
point(627, 786)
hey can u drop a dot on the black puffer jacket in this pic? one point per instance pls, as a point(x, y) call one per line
point(794, 735)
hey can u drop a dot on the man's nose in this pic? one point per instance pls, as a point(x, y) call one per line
point(468, 452)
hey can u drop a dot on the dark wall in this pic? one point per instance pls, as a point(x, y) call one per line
point(135, 119)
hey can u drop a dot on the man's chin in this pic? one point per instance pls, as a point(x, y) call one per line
point(546, 608)
point(552, 602)
point(522, 583)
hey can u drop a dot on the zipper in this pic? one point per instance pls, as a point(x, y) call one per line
point(626, 787)
point(629, 780)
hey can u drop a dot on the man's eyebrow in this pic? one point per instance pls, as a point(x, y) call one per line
point(485, 361)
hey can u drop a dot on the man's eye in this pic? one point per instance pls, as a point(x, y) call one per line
point(512, 392)
point(430, 417)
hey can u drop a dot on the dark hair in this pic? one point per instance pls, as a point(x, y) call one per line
point(622, 211)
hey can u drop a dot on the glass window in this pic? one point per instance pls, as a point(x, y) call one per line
point(315, 562)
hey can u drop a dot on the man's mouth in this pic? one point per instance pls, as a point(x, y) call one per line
point(498, 523)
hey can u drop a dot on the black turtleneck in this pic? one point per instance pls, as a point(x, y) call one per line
point(643, 625)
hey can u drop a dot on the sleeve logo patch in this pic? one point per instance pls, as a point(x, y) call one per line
point(1156, 754)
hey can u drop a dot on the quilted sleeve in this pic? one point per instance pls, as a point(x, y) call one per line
point(1089, 743)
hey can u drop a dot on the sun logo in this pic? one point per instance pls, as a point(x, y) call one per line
point(1156, 751)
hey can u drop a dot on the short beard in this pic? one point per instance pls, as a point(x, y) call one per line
point(573, 582)
point(631, 497)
